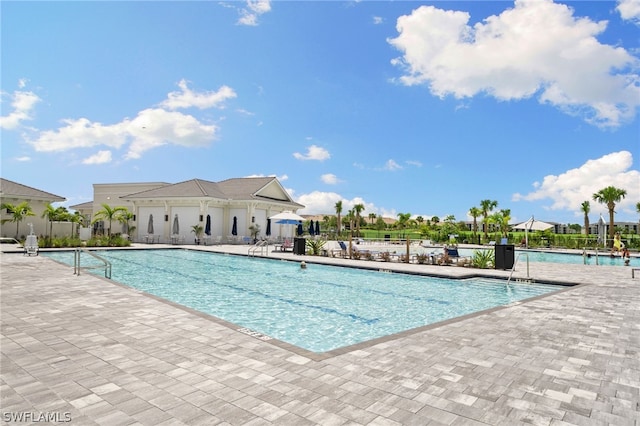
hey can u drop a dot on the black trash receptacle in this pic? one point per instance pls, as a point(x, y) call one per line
point(299, 246)
point(505, 256)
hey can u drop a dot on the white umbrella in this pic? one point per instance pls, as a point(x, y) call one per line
point(532, 225)
point(602, 229)
point(287, 218)
point(176, 226)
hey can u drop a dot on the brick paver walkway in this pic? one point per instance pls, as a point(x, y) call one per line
point(93, 352)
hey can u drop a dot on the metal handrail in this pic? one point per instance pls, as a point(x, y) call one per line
point(260, 245)
point(76, 263)
point(514, 266)
point(585, 255)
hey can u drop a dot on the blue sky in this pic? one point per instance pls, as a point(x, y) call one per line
point(406, 107)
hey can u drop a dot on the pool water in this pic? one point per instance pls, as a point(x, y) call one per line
point(604, 258)
point(319, 308)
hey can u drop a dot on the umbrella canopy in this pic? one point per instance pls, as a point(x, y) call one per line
point(150, 225)
point(207, 226)
point(268, 231)
point(317, 231)
point(287, 217)
point(602, 231)
point(175, 230)
point(532, 225)
point(234, 229)
point(300, 230)
point(312, 229)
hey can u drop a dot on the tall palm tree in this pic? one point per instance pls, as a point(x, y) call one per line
point(49, 213)
point(403, 220)
point(372, 217)
point(585, 208)
point(76, 219)
point(474, 212)
point(487, 206)
point(610, 196)
point(109, 213)
point(18, 213)
point(338, 213)
point(358, 208)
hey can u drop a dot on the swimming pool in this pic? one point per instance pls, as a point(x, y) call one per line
point(320, 308)
point(603, 258)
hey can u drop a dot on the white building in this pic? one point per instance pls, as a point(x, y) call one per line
point(245, 201)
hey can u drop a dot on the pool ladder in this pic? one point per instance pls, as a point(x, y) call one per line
point(76, 263)
point(260, 246)
point(585, 255)
point(528, 279)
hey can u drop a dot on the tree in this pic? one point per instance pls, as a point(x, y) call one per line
point(403, 220)
point(610, 196)
point(474, 212)
point(75, 218)
point(372, 217)
point(125, 217)
point(18, 213)
point(358, 208)
point(338, 212)
point(109, 213)
point(487, 206)
point(501, 219)
point(585, 208)
point(49, 213)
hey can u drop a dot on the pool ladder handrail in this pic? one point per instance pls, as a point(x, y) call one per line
point(76, 263)
point(513, 268)
point(260, 245)
point(584, 255)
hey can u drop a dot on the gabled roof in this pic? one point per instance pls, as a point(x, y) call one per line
point(12, 189)
point(258, 188)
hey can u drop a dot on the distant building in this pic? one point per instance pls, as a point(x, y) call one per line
point(15, 193)
point(157, 205)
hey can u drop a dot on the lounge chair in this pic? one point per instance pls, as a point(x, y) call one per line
point(287, 244)
point(31, 245)
point(454, 255)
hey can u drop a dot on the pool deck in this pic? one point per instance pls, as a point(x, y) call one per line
point(84, 349)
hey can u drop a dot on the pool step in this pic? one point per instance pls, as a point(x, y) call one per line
point(524, 280)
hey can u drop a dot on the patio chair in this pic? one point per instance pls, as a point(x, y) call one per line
point(31, 245)
point(287, 244)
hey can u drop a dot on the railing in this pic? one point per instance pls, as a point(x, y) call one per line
point(514, 266)
point(261, 246)
point(76, 263)
point(585, 255)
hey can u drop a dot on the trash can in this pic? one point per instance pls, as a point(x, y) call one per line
point(299, 246)
point(505, 256)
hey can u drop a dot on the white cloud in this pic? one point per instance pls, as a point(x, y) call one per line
point(254, 8)
point(629, 10)
point(509, 57)
point(314, 152)
point(377, 20)
point(23, 103)
point(318, 202)
point(100, 157)
point(392, 166)
point(330, 179)
point(151, 128)
point(187, 98)
point(23, 159)
point(568, 190)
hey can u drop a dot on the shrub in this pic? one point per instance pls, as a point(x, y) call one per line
point(483, 259)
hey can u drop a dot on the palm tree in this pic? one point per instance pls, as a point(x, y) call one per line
point(585, 208)
point(403, 220)
point(125, 217)
point(18, 213)
point(474, 212)
point(75, 218)
point(358, 208)
point(487, 206)
point(338, 212)
point(109, 213)
point(49, 213)
point(610, 196)
point(502, 219)
point(372, 217)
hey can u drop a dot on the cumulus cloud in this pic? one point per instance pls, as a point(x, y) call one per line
point(187, 98)
point(330, 179)
point(100, 157)
point(568, 190)
point(318, 202)
point(537, 48)
point(377, 20)
point(251, 12)
point(629, 10)
point(23, 103)
point(151, 128)
point(314, 152)
point(392, 166)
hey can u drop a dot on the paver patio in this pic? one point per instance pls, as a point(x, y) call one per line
point(84, 349)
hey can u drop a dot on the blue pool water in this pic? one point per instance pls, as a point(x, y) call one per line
point(575, 259)
point(320, 308)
